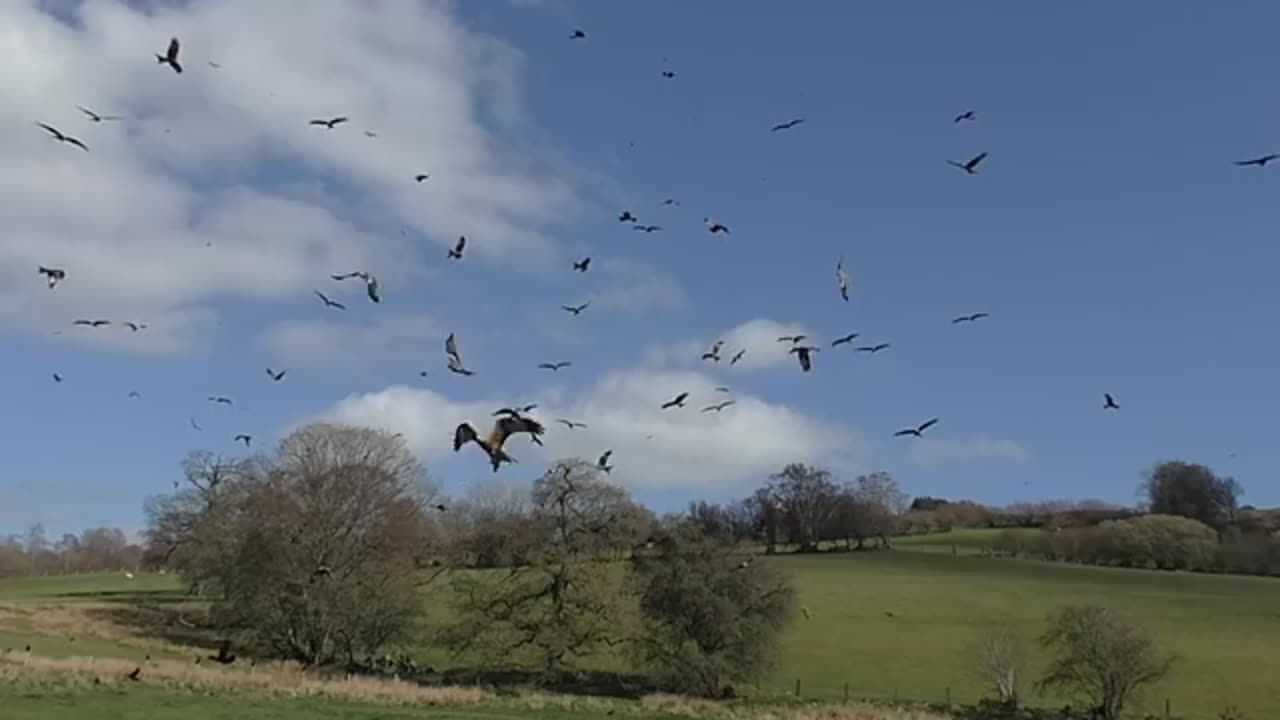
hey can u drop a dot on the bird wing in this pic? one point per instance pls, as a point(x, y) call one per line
point(76, 141)
point(927, 425)
point(462, 435)
point(451, 347)
point(338, 121)
point(172, 53)
point(508, 426)
point(88, 112)
point(682, 397)
point(976, 159)
point(902, 433)
point(51, 129)
point(805, 361)
point(604, 459)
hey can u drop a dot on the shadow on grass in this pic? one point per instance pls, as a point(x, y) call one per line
point(166, 615)
point(131, 597)
point(586, 682)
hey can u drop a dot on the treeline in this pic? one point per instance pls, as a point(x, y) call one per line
point(322, 554)
point(94, 550)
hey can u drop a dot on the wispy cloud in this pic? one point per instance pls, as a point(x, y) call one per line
point(333, 342)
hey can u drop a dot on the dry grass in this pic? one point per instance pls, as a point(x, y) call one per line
point(81, 620)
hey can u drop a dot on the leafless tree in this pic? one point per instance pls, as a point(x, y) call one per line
point(1000, 659)
point(806, 497)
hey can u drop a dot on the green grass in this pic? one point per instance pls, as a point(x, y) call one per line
point(966, 541)
point(1223, 628)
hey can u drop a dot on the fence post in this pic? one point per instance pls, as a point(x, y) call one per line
point(1168, 710)
point(948, 696)
point(846, 691)
point(797, 687)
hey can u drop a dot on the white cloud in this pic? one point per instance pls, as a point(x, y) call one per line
point(214, 185)
point(929, 451)
point(758, 336)
point(332, 342)
point(653, 448)
point(635, 288)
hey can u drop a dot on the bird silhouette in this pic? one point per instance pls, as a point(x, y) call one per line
point(95, 116)
point(966, 115)
point(737, 356)
point(1259, 161)
point(844, 340)
point(1109, 403)
point(135, 327)
point(220, 399)
point(626, 217)
point(53, 275)
point(170, 56)
point(328, 302)
point(714, 353)
point(647, 228)
point(92, 323)
point(515, 412)
point(969, 318)
point(677, 401)
point(276, 376)
point(57, 378)
point(503, 428)
point(576, 309)
point(577, 35)
point(872, 348)
point(571, 424)
point(582, 265)
point(454, 358)
point(134, 394)
point(715, 227)
point(330, 124)
point(668, 74)
point(603, 462)
point(786, 125)
point(803, 352)
point(793, 339)
point(458, 247)
point(194, 424)
point(246, 439)
point(917, 431)
point(60, 137)
point(722, 388)
point(842, 279)
point(372, 288)
point(555, 365)
point(718, 407)
point(971, 166)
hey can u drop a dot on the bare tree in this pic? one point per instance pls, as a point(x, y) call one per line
point(806, 497)
point(36, 545)
point(1100, 657)
point(1000, 657)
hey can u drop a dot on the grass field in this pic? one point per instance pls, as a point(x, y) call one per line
point(1223, 628)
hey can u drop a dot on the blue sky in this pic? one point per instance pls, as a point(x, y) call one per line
point(1114, 244)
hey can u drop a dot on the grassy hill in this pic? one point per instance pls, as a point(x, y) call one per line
point(1222, 627)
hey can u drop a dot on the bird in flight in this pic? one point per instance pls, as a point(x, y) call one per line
point(214, 65)
point(966, 115)
point(454, 358)
point(582, 265)
point(647, 228)
point(721, 388)
point(786, 125)
point(715, 227)
point(57, 135)
point(872, 348)
point(95, 116)
point(917, 431)
point(844, 340)
point(220, 399)
point(714, 353)
point(669, 202)
point(576, 309)
point(194, 424)
point(92, 323)
point(971, 166)
point(503, 428)
point(328, 302)
point(970, 318)
point(803, 352)
point(57, 378)
point(677, 401)
point(626, 216)
point(373, 289)
point(246, 439)
point(1259, 161)
point(276, 376)
point(332, 123)
point(134, 394)
point(54, 275)
point(603, 462)
point(570, 423)
point(421, 176)
point(719, 406)
point(577, 35)
point(842, 279)
point(347, 276)
point(1109, 403)
point(136, 326)
point(170, 56)
point(458, 247)
point(554, 366)
point(668, 74)
point(793, 339)
point(737, 356)
point(515, 412)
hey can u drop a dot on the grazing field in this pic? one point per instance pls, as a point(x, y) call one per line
point(1223, 628)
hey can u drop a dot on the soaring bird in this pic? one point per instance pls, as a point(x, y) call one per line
point(844, 340)
point(135, 327)
point(421, 176)
point(95, 116)
point(668, 74)
point(57, 135)
point(670, 202)
point(786, 125)
point(170, 56)
point(194, 424)
point(626, 216)
point(714, 353)
point(719, 406)
point(214, 65)
point(57, 378)
point(372, 288)
point(577, 35)
point(330, 124)
point(804, 353)
point(872, 348)
point(970, 318)
point(714, 227)
point(276, 376)
point(582, 265)
point(842, 279)
point(246, 439)
point(220, 399)
point(1259, 161)
point(576, 309)
point(454, 358)
point(135, 395)
point(353, 274)
point(458, 247)
point(972, 165)
point(721, 388)
point(966, 115)
point(328, 302)
point(54, 275)
point(571, 424)
point(503, 428)
point(92, 323)
point(793, 339)
point(554, 366)
point(737, 356)
point(678, 401)
point(1109, 403)
point(917, 431)
point(603, 462)
point(647, 228)
point(515, 412)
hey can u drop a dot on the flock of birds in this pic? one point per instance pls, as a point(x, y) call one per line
point(514, 421)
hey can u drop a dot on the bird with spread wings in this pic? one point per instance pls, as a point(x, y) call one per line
point(503, 428)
